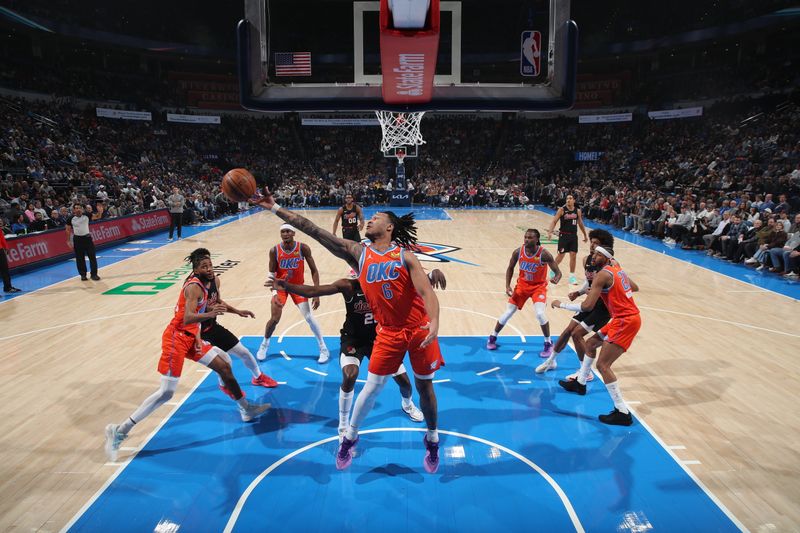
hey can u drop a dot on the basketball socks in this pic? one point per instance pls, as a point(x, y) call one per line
point(247, 358)
point(495, 333)
point(262, 350)
point(586, 368)
point(313, 324)
point(164, 394)
point(126, 426)
point(433, 435)
point(242, 402)
point(407, 402)
point(548, 339)
point(616, 395)
point(364, 403)
point(345, 404)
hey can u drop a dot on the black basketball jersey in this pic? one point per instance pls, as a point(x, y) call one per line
point(349, 217)
point(213, 298)
point(359, 323)
point(569, 220)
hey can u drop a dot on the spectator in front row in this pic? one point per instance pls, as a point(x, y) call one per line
point(20, 226)
point(780, 256)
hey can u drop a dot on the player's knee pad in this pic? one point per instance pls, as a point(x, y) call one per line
point(505, 317)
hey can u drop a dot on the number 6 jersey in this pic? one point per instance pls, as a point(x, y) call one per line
point(386, 282)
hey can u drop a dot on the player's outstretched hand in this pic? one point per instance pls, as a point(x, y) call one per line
point(437, 279)
point(315, 303)
point(433, 332)
point(573, 295)
point(555, 304)
point(276, 284)
point(556, 279)
point(266, 201)
point(246, 313)
point(218, 309)
point(509, 291)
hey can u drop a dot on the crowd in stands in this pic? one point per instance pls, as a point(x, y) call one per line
point(714, 181)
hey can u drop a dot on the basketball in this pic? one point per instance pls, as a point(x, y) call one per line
point(238, 185)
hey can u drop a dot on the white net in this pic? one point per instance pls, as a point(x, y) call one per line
point(400, 129)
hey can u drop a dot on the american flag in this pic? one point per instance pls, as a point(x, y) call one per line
point(293, 63)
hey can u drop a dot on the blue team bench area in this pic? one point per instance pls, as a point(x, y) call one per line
point(518, 453)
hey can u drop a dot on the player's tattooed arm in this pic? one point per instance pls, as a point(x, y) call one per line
point(343, 249)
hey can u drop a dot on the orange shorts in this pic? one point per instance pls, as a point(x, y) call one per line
point(391, 345)
point(537, 293)
point(621, 331)
point(296, 298)
point(175, 347)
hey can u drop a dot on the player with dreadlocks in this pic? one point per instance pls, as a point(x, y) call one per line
point(181, 340)
point(217, 335)
point(405, 306)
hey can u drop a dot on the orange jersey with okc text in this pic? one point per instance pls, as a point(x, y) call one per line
point(532, 271)
point(387, 285)
point(180, 308)
point(619, 296)
point(291, 265)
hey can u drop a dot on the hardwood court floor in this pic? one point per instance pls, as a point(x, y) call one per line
point(711, 371)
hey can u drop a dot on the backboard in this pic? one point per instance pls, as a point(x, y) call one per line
point(324, 55)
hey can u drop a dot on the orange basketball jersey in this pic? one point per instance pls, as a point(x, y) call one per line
point(389, 290)
point(291, 265)
point(532, 271)
point(619, 296)
point(177, 320)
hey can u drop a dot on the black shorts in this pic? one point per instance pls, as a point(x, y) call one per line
point(354, 347)
point(220, 337)
point(595, 319)
point(351, 234)
point(568, 242)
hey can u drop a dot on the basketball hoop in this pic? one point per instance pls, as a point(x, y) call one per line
point(400, 129)
point(400, 155)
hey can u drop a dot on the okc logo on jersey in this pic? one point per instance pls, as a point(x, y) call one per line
point(377, 272)
point(290, 264)
point(525, 266)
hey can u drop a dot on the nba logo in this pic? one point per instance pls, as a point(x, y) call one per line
point(530, 57)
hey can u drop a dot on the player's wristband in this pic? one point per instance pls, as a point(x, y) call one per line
point(274, 208)
point(575, 308)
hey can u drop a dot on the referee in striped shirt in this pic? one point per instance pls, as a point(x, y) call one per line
point(79, 238)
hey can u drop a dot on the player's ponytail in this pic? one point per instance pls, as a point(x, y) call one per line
point(405, 230)
point(198, 255)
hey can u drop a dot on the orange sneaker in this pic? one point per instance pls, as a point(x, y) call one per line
point(264, 380)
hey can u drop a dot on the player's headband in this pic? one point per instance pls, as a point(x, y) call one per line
point(289, 227)
point(601, 250)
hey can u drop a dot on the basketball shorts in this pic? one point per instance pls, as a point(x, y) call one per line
point(351, 234)
point(296, 298)
point(390, 349)
point(178, 345)
point(537, 293)
point(595, 319)
point(220, 337)
point(353, 350)
point(567, 242)
point(621, 331)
